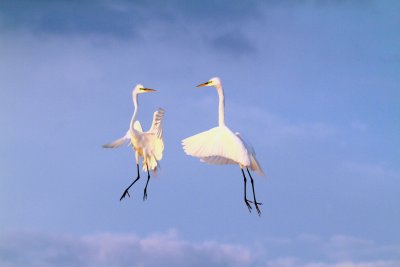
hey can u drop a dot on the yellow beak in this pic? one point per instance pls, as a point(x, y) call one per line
point(203, 84)
point(149, 90)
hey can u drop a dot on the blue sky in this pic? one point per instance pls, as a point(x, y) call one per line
point(314, 86)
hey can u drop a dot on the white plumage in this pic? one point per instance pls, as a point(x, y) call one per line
point(220, 145)
point(147, 145)
point(254, 165)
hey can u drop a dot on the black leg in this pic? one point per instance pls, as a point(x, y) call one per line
point(245, 198)
point(148, 179)
point(254, 194)
point(127, 189)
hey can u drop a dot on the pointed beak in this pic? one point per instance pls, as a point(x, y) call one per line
point(149, 90)
point(203, 84)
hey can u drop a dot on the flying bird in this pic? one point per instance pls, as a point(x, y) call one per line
point(147, 145)
point(220, 145)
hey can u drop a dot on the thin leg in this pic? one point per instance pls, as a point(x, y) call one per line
point(254, 194)
point(127, 189)
point(148, 179)
point(245, 198)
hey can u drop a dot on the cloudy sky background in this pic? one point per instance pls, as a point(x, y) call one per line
point(314, 85)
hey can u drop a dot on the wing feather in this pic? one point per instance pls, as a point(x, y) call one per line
point(217, 146)
point(217, 160)
point(152, 151)
point(119, 142)
point(153, 142)
point(254, 164)
point(156, 125)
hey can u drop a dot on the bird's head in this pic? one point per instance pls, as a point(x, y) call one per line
point(216, 82)
point(140, 89)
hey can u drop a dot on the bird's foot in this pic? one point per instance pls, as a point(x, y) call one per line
point(248, 204)
point(124, 194)
point(257, 208)
point(145, 194)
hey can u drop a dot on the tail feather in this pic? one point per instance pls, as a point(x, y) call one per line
point(152, 163)
point(255, 166)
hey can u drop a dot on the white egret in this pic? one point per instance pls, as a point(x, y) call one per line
point(220, 145)
point(147, 145)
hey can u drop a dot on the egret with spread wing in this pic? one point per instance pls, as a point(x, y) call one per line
point(220, 145)
point(147, 145)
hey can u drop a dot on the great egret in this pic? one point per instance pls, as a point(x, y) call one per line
point(148, 145)
point(220, 145)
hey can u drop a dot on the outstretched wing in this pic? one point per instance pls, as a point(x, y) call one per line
point(217, 160)
point(217, 146)
point(119, 142)
point(156, 125)
point(254, 164)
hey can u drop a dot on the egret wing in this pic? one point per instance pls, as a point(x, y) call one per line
point(119, 142)
point(254, 164)
point(217, 146)
point(217, 160)
point(153, 148)
point(156, 125)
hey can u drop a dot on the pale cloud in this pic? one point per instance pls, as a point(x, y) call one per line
point(309, 238)
point(280, 129)
point(346, 247)
point(356, 264)
point(39, 249)
point(265, 123)
point(370, 170)
point(284, 262)
point(34, 249)
point(293, 262)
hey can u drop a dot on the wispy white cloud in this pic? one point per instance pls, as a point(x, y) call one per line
point(292, 262)
point(280, 129)
point(309, 238)
point(370, 170)
point(38, 249)
point(284, 262)
point(268, 124)
point(355, 264)
point(35, 249)
point(347, 247)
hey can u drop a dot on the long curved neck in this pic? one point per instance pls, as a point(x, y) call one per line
point(221, 105)
point(136, 107)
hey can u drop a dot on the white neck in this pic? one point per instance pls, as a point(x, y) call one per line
point(221, 105)
point(136, 107)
